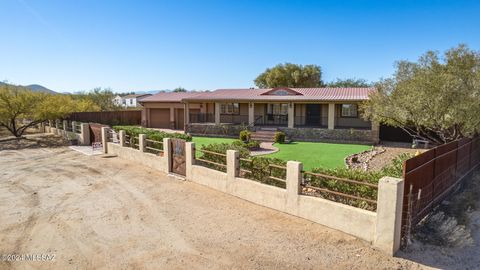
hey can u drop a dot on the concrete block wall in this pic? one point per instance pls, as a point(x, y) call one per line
point(381, 228)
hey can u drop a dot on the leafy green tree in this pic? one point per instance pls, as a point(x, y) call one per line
point(20, 108)
point(353, 82)
point(290, 75)
point(102, 98)
point(179, 89)
point(436, 98)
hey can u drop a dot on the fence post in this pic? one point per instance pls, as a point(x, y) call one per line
point(41, 127)
point(57, 124)
point(167, 152)
point(74, 126)
point(105, 139)
point(121, 137)
point(189, 159)
point(85, 130)
point(233, 167)
point(294, 188)
point(389, 214)
point(65, 125)
point(141, 142)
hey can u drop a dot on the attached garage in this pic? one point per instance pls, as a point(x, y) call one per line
point(160, 118)
point(166, 109)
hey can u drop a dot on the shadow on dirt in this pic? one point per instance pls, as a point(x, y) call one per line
point(32, 141)
point(449, 238)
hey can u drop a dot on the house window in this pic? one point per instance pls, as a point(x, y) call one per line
point(281, 93)
point(277, 109)
point(229, 108)
point(349, 110)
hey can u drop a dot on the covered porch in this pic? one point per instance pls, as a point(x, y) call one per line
point(278, 114)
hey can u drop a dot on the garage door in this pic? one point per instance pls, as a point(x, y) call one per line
point(160, 118)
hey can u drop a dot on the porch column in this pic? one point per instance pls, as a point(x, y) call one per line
point(331, 115)
point(217, 113)
point(251, 113)
point(172, 118)
point(291, 114)
point(187, 114)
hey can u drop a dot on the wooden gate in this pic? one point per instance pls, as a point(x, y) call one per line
point(95, 132)
point(178, 156)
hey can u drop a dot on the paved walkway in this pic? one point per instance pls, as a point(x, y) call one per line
point(265, 149)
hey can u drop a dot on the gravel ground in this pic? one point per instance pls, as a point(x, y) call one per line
point(94, 212)
point(392, 150)
point(450, 237)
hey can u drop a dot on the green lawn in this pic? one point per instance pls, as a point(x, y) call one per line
point(199, 141)
point(326, 155)
point(312, 155)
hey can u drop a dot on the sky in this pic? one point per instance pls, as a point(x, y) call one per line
point(70, 46)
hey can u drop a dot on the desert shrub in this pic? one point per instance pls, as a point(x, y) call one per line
point(279, 137)
point(259, 169)
point(395, 168)
point(251, 145)
point(134, 131)
point(220, 148)
point(245, 135)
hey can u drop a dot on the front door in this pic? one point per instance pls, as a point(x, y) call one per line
point(178, 156)
point(313, 115)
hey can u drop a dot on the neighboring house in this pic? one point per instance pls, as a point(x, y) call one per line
point(118, 100)
point(132, 99)
point(309, 114)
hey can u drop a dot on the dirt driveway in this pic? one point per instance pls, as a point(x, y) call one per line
point(105, 213)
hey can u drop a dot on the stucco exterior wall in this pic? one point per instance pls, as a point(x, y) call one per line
point(381, 228)
point(345, 218)
point(209, 177)
point(150, 160)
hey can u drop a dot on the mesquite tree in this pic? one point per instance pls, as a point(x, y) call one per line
point(21, 108)
point(436, 98)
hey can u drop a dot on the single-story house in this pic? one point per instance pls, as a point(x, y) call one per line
point(310, 114)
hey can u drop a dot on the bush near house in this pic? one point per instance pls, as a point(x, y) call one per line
point(395, 169)
point(279, 137)
point(245, 135)
point(259, 166)
point(250, 145)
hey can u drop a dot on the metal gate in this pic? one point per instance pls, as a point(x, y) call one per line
point(178, 156)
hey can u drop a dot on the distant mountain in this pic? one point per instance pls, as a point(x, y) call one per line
point(153, 92)
point(39, 88)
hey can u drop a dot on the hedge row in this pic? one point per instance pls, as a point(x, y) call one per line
point(156, 135)
point(259, 170)
point(259, 166)
point(394, 169)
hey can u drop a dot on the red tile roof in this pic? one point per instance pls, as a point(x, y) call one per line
point(296, 94)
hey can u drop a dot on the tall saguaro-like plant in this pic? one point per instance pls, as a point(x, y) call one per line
point(436, 98)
